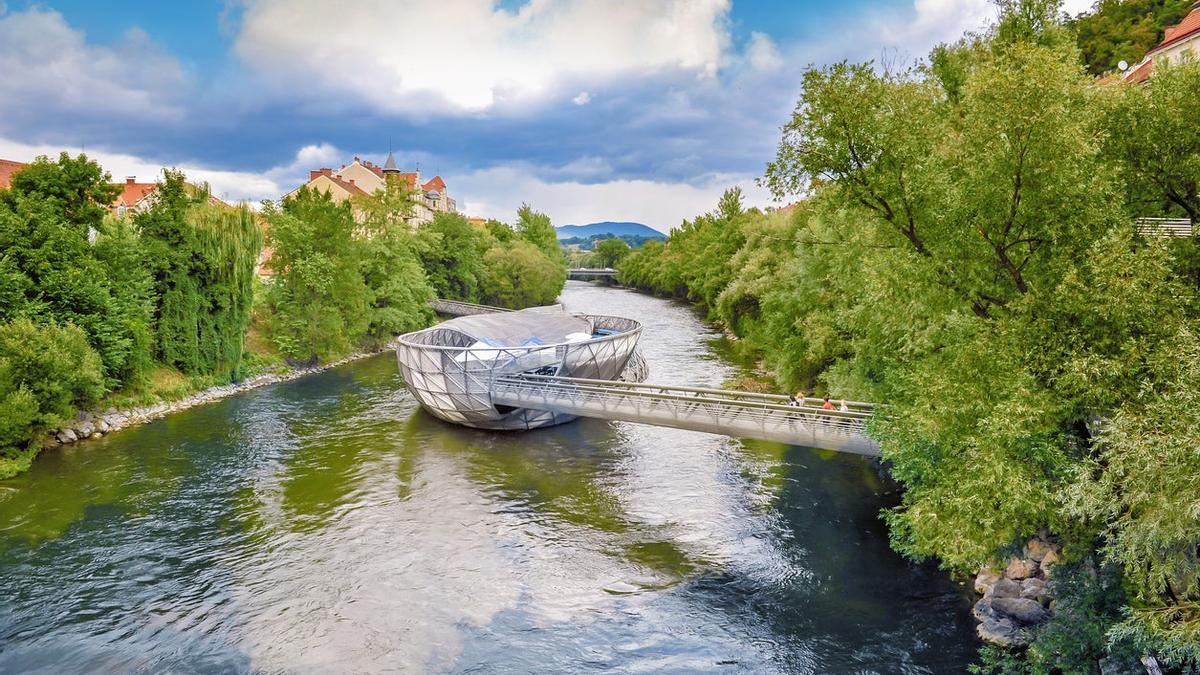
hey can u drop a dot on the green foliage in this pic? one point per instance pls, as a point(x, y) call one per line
point(1152, 136)
point(78, 187)
point(202, 258)
point(609, 252)
point(45, 372)
point(520, 275)
point(320, 299)
point(965, 254)
point(51, 272)
point(535, 228)
point(1124, 30)
point(452, 254)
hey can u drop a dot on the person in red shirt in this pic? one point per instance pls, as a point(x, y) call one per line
point(828, 405)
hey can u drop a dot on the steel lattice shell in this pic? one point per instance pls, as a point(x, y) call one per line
point(453, 384)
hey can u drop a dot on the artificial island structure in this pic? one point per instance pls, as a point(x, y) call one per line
point(504, 370)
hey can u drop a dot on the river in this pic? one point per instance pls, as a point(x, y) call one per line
point(328, 525)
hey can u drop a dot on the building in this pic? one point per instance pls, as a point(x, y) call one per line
point(1180, 42)
point(136, 197)
point(7, 169)
point(361, 177)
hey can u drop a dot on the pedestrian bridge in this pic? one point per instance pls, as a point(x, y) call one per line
point(768, 417)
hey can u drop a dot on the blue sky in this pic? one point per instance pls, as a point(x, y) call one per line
point(587, 109)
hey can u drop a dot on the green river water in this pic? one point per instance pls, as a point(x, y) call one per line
point(328, 525)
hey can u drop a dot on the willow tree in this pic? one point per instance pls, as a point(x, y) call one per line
point(203, 258)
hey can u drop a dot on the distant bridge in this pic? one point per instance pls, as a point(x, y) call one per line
point(590, 273)
point(769, 417)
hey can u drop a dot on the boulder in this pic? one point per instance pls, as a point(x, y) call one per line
point(103, 426)
point(1035, 589)
point(85, 429)
point(1003, 632)
point(1019, 568)
point(1049, 561)
point(983, 610)
point(1037, 548)
point(1006, 588)
point(985, 580)
point(67, 436)
point(1023, 610)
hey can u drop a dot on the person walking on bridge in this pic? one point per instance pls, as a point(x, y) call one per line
point(827, 405)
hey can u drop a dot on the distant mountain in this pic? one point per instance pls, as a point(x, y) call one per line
point(608, 227)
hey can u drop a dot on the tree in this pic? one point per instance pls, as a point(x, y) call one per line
point(1124, 30)
point(520, 275)
point(1152, 134)
point(46, 371)
point(202, 258)
point(451, 251)
point(609, 252)
point(320, 302)
point(535, 228)
point(78, 185)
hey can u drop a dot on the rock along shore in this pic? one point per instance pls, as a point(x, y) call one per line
point(94, 424)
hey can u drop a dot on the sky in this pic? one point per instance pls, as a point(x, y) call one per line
point(588, 110)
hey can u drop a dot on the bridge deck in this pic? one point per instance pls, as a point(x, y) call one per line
point(761, 416)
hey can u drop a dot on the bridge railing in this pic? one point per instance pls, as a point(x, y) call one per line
point(720, 406)
point(459, 308)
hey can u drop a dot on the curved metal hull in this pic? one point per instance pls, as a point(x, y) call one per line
point(454, 383)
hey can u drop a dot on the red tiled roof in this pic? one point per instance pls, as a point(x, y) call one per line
point(1184, 29)
point(7, 169)
point(409, 179)
point(435, 183)
point(1141, 73)
point(347, 185)
point(374, 169)
point(133, 192)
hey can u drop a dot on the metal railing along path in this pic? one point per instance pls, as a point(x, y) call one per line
point(459, 308)
point(732, 413)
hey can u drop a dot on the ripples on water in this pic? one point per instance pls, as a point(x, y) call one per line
point(327, 525)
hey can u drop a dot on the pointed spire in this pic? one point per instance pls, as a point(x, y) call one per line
point(390, 164)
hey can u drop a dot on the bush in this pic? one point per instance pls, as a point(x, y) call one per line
point(46, 372)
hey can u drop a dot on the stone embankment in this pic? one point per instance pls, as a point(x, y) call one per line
point(94, 424)
point(1018, 596)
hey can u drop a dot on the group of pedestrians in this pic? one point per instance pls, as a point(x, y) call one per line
point(798, 401)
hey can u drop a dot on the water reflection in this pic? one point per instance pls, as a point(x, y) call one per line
point(328, 525)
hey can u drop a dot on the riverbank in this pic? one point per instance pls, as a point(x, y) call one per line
point(95, 424)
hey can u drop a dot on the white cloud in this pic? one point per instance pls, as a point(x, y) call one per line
point(1076, 7)
point(498, 192)
point(470, 55)
point(46, 65)
point(583, 98)
point(232, 186)
point(931, 22)
point(762, 53)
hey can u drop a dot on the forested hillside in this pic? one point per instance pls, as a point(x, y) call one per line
point(1037, 358)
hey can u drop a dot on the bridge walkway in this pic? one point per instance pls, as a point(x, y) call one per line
point(732, 413)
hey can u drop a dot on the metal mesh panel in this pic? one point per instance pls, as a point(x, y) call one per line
point(454, 383)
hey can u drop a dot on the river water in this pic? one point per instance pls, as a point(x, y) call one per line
point(328, 525)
